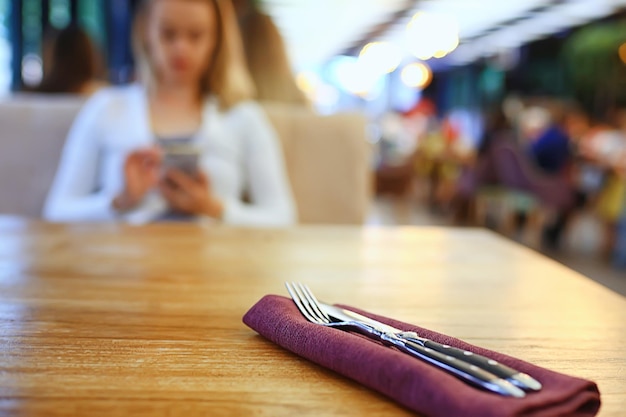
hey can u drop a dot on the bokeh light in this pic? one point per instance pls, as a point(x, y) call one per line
point(32, 70)
point(307, 82)
point(416, 75)
point(431, 35)
point(353, 76)
point(622, 53)
point(382, 57)
point(323, 95)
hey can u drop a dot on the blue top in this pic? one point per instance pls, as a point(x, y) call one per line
point(166, 142)
point(551, 151)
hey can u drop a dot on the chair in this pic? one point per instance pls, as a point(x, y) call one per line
point(521, 188)
point(31, 140)
point(515, 171)
point(328, 161)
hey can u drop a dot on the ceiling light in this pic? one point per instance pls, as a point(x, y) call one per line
point(382, 57)
point(430, 34)
point(416, 75)
point(354, 77)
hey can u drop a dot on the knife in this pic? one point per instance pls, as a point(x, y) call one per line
point(461, 369)
point(520, 379)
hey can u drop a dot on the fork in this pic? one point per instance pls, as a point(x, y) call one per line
point(309, 307)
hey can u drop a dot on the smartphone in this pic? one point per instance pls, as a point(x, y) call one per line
point(182, 158)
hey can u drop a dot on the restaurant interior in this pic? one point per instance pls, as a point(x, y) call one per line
point(174, 190)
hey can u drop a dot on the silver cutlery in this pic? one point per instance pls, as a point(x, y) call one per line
point(313, 312)
point(520, 379)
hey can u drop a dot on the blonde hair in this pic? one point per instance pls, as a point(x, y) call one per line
point(267, 60)
point(227, 77)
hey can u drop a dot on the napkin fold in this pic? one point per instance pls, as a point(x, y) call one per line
point(411, 382)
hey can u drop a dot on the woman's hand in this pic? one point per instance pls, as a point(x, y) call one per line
point(190, 195)
point(141, 174)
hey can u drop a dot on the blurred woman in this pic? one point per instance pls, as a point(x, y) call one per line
point(75, 64)
point(477, 166)
point(266, 56)
point(195, 93)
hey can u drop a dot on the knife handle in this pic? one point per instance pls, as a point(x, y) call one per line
point(463, 370)
point(516, 377)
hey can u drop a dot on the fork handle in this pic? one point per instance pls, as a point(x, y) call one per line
point(466, 371)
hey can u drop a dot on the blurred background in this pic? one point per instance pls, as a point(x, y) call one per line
point(502, 114)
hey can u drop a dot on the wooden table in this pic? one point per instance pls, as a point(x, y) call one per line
point(113, 320)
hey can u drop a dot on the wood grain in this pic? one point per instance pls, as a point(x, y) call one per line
point(110, 320)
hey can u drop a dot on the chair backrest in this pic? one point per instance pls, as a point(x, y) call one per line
point(32, 134)
point(329, 163)
point(510, 167)
point(514, 170)
point(328, 158)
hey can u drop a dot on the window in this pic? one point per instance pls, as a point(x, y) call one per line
point(32, 65)
point(5, 47)
point(91, 17)
point(60, 14)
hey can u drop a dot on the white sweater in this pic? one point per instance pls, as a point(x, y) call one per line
point(240, 152)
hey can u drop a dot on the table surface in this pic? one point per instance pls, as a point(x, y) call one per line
point(146, 321)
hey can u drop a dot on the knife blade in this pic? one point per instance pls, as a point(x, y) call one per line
point(517, 378)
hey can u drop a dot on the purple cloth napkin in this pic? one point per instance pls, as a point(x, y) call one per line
point(411, 382)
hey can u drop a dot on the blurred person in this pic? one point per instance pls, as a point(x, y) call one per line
point(451, 162)
point(497, 128)
point(266, 56)
point(195, 92)
point(619, 244)
point(577, 124)
point(399, 132)
point(477, 165)
point(396, 138)
point(587, 176)
point(607, 148)
point(74, 62)
point(431, 145)
point(549, 144)
point(549, 149)
point(437, 159)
